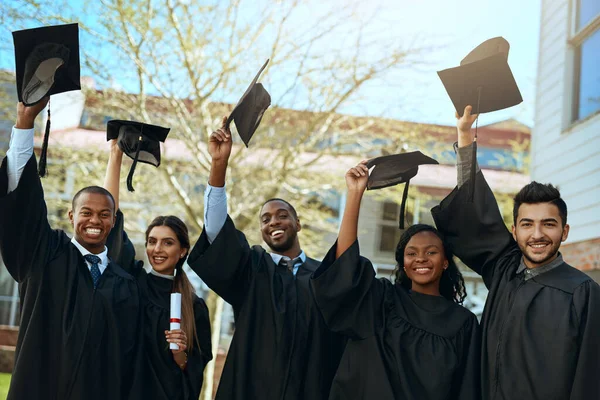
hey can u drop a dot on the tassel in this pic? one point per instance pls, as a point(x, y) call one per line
point(403, 204)
point(44, 153)
point(132, 170)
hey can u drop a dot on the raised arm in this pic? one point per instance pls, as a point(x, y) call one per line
point(26, 239)
point(113, 171)
point(215, 199)
point(475, 229)
point(120, 248)
point(356, 181)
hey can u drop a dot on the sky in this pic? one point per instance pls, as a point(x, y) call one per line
point(460, 26)
point(453, 28)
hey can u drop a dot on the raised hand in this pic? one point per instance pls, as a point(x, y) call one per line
point(26, 115)
point(219, 143)
point(357, 177)
point(463, 126)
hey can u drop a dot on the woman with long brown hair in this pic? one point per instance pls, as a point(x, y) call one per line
point(172, 374)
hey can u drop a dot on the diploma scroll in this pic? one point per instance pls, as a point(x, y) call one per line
point(175, 316)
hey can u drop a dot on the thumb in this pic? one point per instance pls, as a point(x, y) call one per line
point(467, 113)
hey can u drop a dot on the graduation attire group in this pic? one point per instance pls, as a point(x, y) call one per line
point(93, 321)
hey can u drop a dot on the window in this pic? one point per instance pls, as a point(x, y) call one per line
point(389, 234)
point(586, 42)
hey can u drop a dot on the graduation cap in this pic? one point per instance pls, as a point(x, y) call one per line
point(139, 141)
point(249, 110)
point(47, 63)
point(484, 81)
point(394, 169)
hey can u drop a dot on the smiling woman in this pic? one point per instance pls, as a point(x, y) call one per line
point(408, 339)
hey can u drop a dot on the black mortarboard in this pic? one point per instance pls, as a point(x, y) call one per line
point(139, 141)
point(485, 82)
point(47, 63)
point(249, 110)
point(395, 169)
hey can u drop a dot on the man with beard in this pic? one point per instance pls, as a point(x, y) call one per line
point(79, 334)
point(281, 348)
point(542, 316)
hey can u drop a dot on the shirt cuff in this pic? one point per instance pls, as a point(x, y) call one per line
point(21, 138)
point(464, 160)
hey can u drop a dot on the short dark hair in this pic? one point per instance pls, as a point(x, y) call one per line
point(94, 190)
point(292, 209)
point(536, 192)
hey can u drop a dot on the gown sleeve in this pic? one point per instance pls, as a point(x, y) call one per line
point(586, 301)
point(347, 292)
point(225, 265)
point(475, 230)
point(468, 377)
point(27, 242)
point(201, 354)
point(120, 248)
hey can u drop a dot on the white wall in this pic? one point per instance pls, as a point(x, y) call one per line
point(565, 154)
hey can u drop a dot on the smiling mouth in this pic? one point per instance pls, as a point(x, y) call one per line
point(159, 260)
point(93, 231)
point(422, 270)
point(538, 245)
point(277, 233)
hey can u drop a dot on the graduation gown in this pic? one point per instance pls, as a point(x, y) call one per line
point(402, 344)
point(541, 337)
point(281, 348)
point(164, 379)
point(75, 342)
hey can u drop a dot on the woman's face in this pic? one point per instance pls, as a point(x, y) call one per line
point(164, 249)
point(424, 262)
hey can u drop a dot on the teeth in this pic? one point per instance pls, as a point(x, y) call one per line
point(538, 245)
point(92, 230)
point(160, 258)
point(276, 232)
point(422, 269)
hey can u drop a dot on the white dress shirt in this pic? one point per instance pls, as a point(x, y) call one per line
point(215, 215)
point(18, 154)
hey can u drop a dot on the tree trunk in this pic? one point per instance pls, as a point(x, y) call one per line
point(215, 308)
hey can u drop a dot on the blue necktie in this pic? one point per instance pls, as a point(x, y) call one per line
point(95, 270)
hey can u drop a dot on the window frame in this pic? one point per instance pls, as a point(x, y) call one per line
point(577, 37)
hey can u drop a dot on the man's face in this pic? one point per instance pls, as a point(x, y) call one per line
point(92, 220)
point(279, 226)
point(539, 233)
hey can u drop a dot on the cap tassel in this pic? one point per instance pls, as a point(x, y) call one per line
point(44, 154)
point(132, 170)
point(403, 204)
point(474, 155)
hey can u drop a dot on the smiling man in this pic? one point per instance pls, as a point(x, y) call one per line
point(79, 332)
point(541, 321)
point(281, 348)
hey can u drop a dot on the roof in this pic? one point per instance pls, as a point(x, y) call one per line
point(431, 176)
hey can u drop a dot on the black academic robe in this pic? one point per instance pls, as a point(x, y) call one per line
point(75, 342)
point(164, 379)
point(402, 345)
point(541, 337)
point(281, 348)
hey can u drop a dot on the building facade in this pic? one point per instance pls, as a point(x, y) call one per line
point(566, 136)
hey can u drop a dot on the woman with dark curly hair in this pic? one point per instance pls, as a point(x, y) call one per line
point(410, 339)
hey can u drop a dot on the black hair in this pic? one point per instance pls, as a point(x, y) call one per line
point(94, 190)
point(536, 192)
point(452, 283)
point(292, 209)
